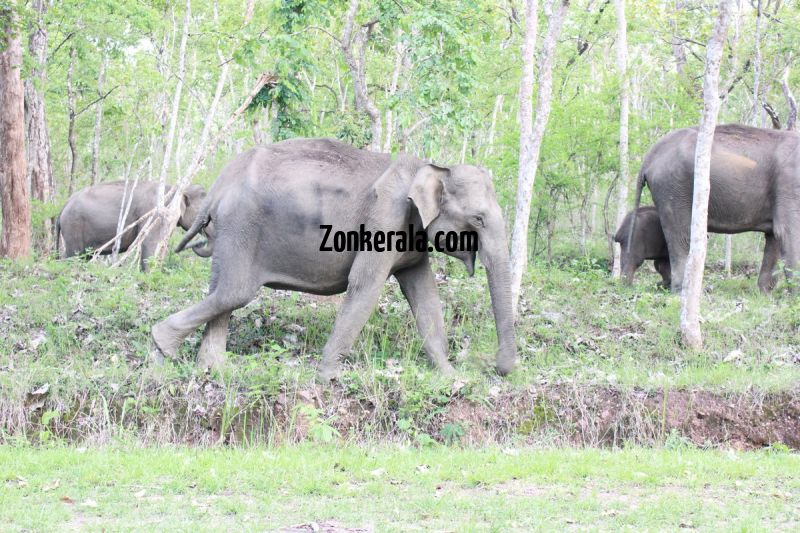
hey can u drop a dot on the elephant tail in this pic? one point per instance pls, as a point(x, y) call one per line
point(641, 179)
point(203, 218)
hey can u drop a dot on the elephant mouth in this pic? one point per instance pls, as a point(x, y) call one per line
point(469, 262)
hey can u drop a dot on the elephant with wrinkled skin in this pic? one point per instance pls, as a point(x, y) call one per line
point(648, 242)
point(267, 207)
point(89, 218)
point(755, 186)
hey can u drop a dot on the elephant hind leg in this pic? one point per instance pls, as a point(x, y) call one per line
point(215, 310)
point(212, 348)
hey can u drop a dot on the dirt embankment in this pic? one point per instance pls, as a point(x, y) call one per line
point(205, 413)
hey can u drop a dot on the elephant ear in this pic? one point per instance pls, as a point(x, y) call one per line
point(426, 191)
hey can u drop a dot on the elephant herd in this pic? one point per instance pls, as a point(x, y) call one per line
point(263, 220)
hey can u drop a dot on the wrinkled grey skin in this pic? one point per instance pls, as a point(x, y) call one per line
point(267, 207)
point(649, 243)
point(755, 186)
point(89, 218)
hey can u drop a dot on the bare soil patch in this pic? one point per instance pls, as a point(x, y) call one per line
point(205, 413)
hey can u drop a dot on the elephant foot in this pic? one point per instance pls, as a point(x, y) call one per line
point(210, 360)
point(155, 356)
point(166, 340)
point(446, 368)
point(328, 372)
point(504, 368)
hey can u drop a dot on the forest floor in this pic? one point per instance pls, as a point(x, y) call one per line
point(608, 423)
point(600, 364)
point(311, 487)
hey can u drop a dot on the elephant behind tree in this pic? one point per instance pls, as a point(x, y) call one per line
point(755, 186)
point(649, 243)
point(268, 206)
point(89, 218)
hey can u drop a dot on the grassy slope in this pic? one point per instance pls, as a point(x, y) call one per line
point(180, 489)
point(83, 330)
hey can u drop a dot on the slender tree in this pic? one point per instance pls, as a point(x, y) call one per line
point(98, 120)
point(40, 167)
point(15, 241)
point(791, 103)
point(354, 48)
point(693, 276)
point(622, 177)
point(531, 136)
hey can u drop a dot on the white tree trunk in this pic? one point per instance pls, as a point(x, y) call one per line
point(757, 66)
point(498, 105)
point(176, 102)
point(98, 120)
point(693, 276)
point(622, 177)
point(729, 254)
point(71, 141)
point(791, 103)
point(531, 135)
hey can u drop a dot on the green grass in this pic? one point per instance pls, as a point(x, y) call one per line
point(396, 489)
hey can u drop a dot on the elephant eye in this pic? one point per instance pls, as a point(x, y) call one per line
point(478, 221)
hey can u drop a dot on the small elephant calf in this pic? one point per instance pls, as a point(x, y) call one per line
point(649, 242)
point(89, 218)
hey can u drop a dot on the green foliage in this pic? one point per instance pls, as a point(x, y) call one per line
point(319, 427)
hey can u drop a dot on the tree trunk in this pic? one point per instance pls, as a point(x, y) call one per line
point(40, 167)
point(37, 138)
point(498, 105)
point(176, 102)
point(791, 103)
point(693, 276)
point(622, 177)
point(757, 66)
point(677, 44)
point(531, 135)
point(98, 119)
point(15, 241)
point(729, 254)
point(356, 61)
point(73, 151)
point(399, 61)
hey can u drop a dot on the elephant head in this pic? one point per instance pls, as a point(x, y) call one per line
point(193, 197)
point(462, 198)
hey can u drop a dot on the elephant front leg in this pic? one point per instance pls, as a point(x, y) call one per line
point(419, 288)
point(363, 289)
point(212, 348)
point(766, 276)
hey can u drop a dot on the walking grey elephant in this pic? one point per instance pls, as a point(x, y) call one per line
point(755, 186)
point(89, 218)
point(270, 206)
point(648, 242)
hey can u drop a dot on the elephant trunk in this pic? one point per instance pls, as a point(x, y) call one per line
point(498, 271)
